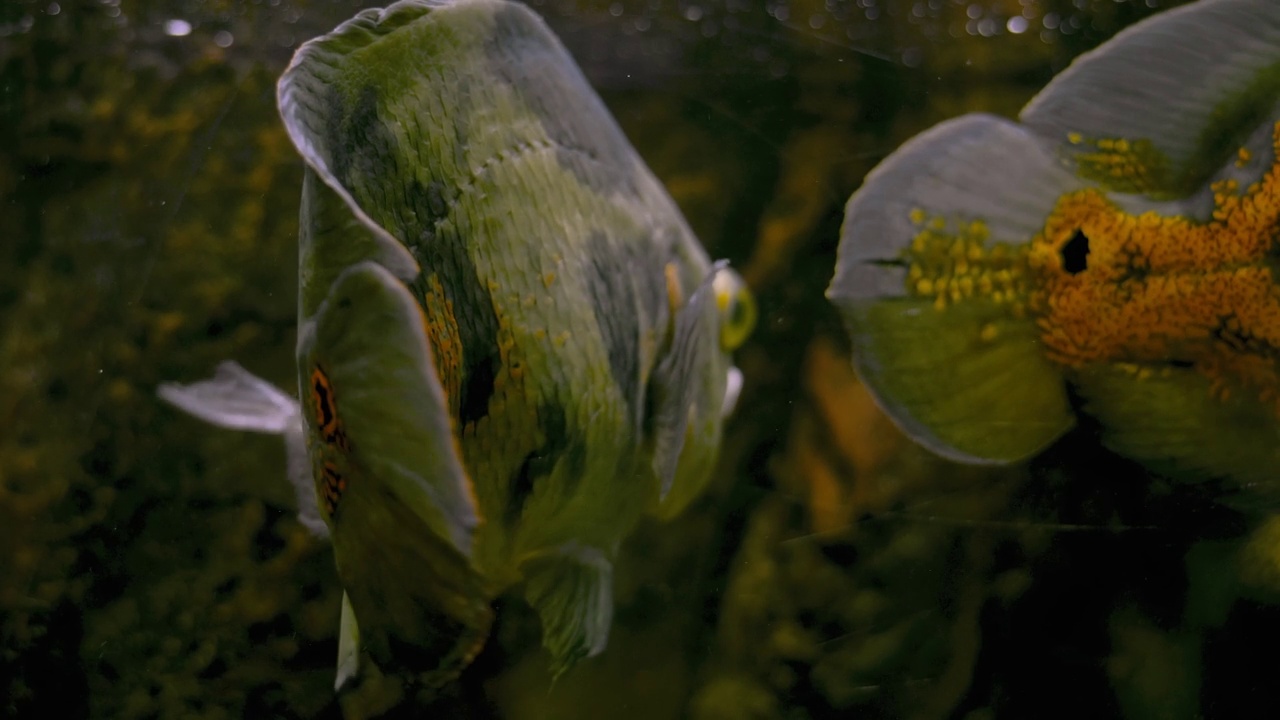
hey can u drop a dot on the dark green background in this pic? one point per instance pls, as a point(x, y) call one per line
point(150, 566)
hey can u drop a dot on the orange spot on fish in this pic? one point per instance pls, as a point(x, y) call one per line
point(333, 485)
point(1161, 288)
point(324, 405)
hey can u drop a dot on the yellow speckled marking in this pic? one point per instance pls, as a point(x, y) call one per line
point(1129, 166)
point(446, 340)
point(955, 264)
point(1151, 290)
point(1168, 289)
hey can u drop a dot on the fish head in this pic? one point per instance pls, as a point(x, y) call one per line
point(1111, 253)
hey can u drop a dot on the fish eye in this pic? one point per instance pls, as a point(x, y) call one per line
point(737, 308)
point(1075, 253)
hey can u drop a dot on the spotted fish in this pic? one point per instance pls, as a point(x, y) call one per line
point(510, 343)
point(1115, 252)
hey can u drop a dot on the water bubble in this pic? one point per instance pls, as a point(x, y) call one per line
point(1017, 25)
point(177, 28)
point(223, 39)
point(53, 9)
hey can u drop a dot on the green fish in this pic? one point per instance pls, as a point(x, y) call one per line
point(1113, 253)
point(510, 343)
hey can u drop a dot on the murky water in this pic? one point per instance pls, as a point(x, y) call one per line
point(153, 567)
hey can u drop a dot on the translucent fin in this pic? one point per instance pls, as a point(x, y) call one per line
point(572, 590)
point(400, 504)
point(237, 399)
point(680, 376)
point(348, 646)
point(966, 378)
point(1170, 420)
point(1191, 82)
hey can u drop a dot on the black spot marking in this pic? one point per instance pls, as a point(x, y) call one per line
point(477, 389)
point(559, 447)
point(1272, 256)
point(445, 251)
point(521, 486)
point(1075, 253)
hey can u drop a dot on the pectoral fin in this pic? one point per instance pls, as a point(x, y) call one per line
point(237, 399)
point(680, 379)
point(572, 590)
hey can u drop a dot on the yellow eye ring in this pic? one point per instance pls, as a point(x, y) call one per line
point(737, 309)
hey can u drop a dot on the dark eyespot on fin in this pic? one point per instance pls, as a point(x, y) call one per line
point(1075, 253)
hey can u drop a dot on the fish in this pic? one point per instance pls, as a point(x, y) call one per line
point(511, 346)
point(1111, 255)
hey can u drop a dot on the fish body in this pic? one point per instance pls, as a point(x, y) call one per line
point(510, 343)
point(1113, 252)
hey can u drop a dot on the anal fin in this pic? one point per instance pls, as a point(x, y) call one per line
point(571, 587)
